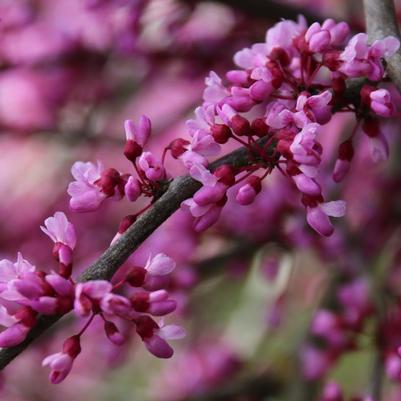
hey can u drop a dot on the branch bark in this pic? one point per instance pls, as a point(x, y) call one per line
point(381, 21)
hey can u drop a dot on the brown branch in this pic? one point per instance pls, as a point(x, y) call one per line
point(381, 22)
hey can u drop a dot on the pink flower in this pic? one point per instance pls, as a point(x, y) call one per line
point(381, 102)
point(215, 90)
point(360, 59)
point(318, 105)
point(61, 363)
point(314, 362)
point(280, 38)
point(139, 134)
point(160, 265)
point(132, 189)
point(317, 37)
point(151, 166)
point(59, 229)
point(89, 295)
point(17, 326)
point(155, 336)
point(85, 195)
point(338, 31)
point(318, 216)
point(10, 271)
point(253, 57)
point(14, 335)
point(247, 193)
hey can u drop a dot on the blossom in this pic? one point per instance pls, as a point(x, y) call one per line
point(360, 59)
point(318, 216)
point(59, 229)
point(90, 294)
point(139, 134)
point(85, 195)
point(381, 102)
point(61, 363)
point(10, 271)
point(151, 166)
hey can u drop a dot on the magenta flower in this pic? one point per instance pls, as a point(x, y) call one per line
point(381, 102)
point(60, 230)
point(90, 294)
point(361, 59)
point(85, 195)
point(61, 363)
point(160, 265)
point(318, 216)
point(139, 134)
point(10, 271)
point(151, 166)
point(132, 189)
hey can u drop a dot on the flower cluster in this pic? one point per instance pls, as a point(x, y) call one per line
point(26, 292)
point(278, 101)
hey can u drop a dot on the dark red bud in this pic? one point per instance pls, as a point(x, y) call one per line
point(178, 147)
point(332, 60)
point(240, 125)
point(292, 168)
point(280, 55)
point(346, 151)
point(26, 316)
point(225, 174)
point(283, 147)
point(371, 127)
point(221, 133)
point(132, 150)
point(140, 301)
point(259, 127)
point(136, 277)
point(72, 346)
point(110, 178)
point(311, 201)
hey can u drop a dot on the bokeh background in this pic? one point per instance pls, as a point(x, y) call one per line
point(71, 72)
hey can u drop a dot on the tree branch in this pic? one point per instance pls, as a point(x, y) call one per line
point(381, 22)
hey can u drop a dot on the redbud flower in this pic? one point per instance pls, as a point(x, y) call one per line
point(139, 134)
point(132, 189)
point(61, 363)
point(88, 295)
point(381, 103)
point(59, 229)
point(318, 216)
point(151, 166)
point(85, 195)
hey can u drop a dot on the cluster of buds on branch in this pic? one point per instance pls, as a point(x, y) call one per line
point(275, 105)
point(138, 298)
